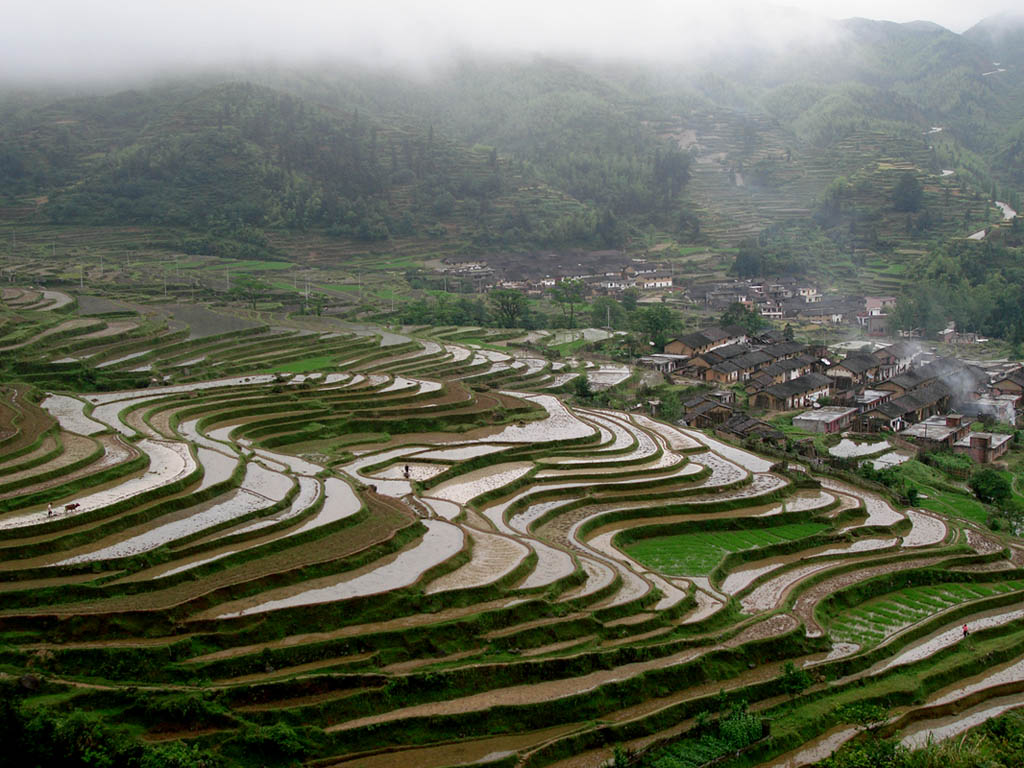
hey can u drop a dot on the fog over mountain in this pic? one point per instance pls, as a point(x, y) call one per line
point(68, 41)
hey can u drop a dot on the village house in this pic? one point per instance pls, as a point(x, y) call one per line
point(983, 447)
point(744, 427)
point(869, 398)
point(907, 409)
point(664, 363)
point(937, 432)
point(706, 340)
point(654, 282)
point(853, 372)
point(1010, 384)
point(797, 393)
point(877, 325)
point(705, 412)
point(826, 420)
point(896, 358)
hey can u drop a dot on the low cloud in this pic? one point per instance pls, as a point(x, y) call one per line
point(62, 40)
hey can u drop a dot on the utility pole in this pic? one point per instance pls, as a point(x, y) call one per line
point(227, 276)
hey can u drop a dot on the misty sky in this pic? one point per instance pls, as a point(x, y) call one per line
point(72, 39)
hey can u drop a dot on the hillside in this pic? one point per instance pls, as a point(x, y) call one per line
point(540, 154)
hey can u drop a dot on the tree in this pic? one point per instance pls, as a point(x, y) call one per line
point(629, 299)
point(567, 294)
point(249, 288)
point(990, 485)
point(317, 302)
point(787, 332)
point(657, 324)
point(508, 306)
point(749, 259)
point(606, 311)
point(671, 407)
point(748, 319)
point(908, 193)
point(581, 387)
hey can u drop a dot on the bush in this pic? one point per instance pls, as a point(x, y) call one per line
point(990, 485)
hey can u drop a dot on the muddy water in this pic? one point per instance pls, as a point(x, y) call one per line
point(189, 431)
point(241, 503)
point(168, 462)
point(742, 578)
point(70, 414)
point(294, 463)
point(441, 541)
point(598, 575)
point(57, 298)
point(706, 606)
point(309, 492)
point(768, 595)
point(1010, 673)
point(672, 594)
point(109, 397)
point(447, 510)
point(927, 530)
point(676, 439)
point(260, 487)
point(561, 380)
point(816, 750)
point(920, 733)
point(880, 512)
point(217, 467)
point(948, 637)
point(493, 557)
point(892, 459)
point(548, 690)
point(745, 459)
point(523, 520)
point(465, 487)
point(458, 353)
point(1008, 212)
point(560, 424)
point(416, 471)
point(552, 565)
point(460, 453)
point(124, 358)
point(470, 752)
point(340, 501)
point(847, 448)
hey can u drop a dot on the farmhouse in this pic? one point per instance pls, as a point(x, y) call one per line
point(983, 447)
point(826, 420)
point(798, 393)
point(938, 431)
point(705, 340)
point(705, 412)
point(854, 372)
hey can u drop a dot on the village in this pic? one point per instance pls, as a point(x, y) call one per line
point(920, 400)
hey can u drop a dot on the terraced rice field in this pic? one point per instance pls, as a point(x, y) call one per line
point(414, 553)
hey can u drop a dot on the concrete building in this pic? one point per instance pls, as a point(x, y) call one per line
point(983, 447)
point(826, 420)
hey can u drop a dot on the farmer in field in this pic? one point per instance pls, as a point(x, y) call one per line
point(966, 633)
point(49, 509)
point(406, 471)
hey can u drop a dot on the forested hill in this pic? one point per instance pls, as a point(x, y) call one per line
point(538, 153)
